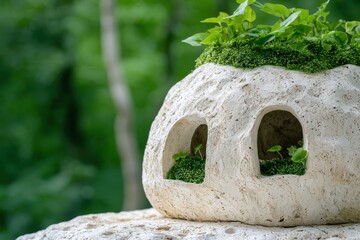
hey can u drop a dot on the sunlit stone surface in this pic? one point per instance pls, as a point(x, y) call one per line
point(149, 224)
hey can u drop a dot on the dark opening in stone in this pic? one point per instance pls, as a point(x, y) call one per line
point(278, 128)
point(186, 165)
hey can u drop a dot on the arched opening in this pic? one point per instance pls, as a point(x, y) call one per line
point(278, 128)
point(184, 156)
point(280, 134)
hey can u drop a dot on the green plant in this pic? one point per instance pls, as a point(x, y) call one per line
point(298, 154)
point(297, 38)
point(295, 163)
point(179, 155)
point(188, 168)
point(294, 23)
point(277, 149)
point(197, 150)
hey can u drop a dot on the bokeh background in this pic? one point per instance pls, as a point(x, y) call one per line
point(58, 156)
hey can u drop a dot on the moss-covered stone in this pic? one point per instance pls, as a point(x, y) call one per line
point(281, 167)
point(189, 169)
point(315, 57)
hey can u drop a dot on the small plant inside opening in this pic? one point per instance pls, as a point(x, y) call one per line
point(190, 166)
point(295, 163)
point(280, 145)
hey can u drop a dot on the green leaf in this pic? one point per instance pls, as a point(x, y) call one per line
point(180, 155)
point(198, 148)
point(302, 29)
point(322, 27)
point(356, 40)
point(326, 46)
point(214, 36)
point(295, 31)
point(264, 40)
point(311, 38)
point(196, 39)
point(349, 26)
point(304, 17)
point(242, 8)
point(249, 15)
point(357, 30)
point(276, 26)
point(249, 1)
point(264, 28)
point(300, 143)
point(219, 19)
point(256, 32)
point(340, 38)
point(276, 148)
point(334, 25)
point(277, 10)
point(321, 11)
point(290, 19)
point(292, 150)
point(300, 155)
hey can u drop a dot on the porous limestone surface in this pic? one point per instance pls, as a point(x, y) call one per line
point(245, 111)
point(149, 224)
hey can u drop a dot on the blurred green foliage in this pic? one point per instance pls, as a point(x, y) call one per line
point(57, 149)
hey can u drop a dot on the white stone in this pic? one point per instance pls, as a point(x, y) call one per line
point(232, 102)
point(149, 224)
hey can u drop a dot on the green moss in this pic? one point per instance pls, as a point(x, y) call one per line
point(189, 169)
point(281, 167)
point(314, 57)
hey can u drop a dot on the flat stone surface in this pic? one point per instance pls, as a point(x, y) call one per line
point(149, 224)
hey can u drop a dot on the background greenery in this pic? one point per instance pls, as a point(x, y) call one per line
point(57, 150)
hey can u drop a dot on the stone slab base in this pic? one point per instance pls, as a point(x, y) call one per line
point(149, 224)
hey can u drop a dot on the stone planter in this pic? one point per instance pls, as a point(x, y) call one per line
point(237, 114)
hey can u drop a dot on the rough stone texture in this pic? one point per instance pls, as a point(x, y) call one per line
point(232, 103)
point(149, 224)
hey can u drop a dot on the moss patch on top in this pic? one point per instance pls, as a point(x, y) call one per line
point(313, 58)
point(297, 40)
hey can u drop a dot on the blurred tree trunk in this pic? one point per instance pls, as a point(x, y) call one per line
point(125, 136)
point(169, 38)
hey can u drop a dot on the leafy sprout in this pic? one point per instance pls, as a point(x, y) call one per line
point(294, 164)
point(197, 149)
point(277, 149)
point(293, 24)
point(292, 150)
point(179, 155)
point(299, 156)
